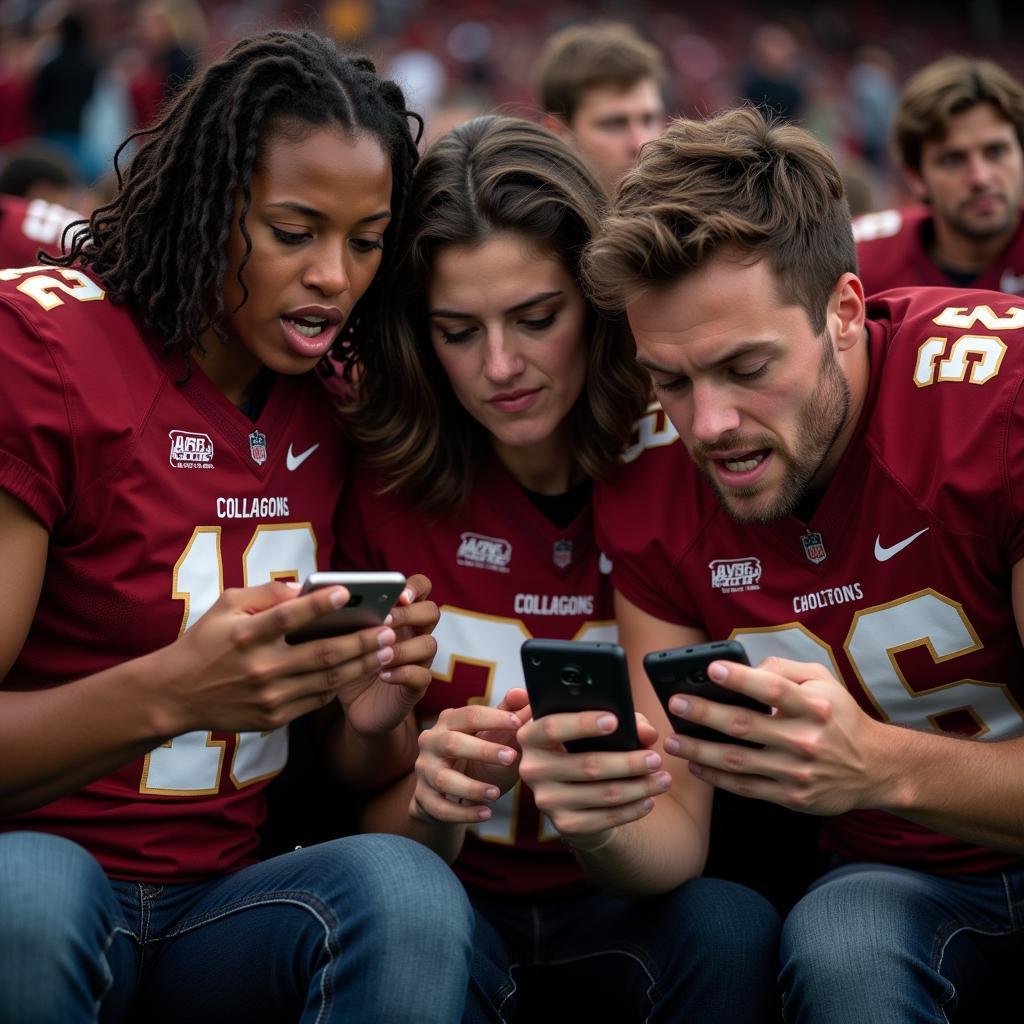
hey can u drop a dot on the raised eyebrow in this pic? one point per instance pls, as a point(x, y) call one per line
point(456, 314)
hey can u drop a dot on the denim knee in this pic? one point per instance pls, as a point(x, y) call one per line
point(409, 892)
point(730, 918)
point(58, 919)
point(858, 947)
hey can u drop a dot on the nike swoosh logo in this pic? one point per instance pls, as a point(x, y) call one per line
point(884, 554)
point(294, 461)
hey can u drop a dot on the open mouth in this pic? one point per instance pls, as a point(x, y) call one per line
point(744, 463)
point(308, 326)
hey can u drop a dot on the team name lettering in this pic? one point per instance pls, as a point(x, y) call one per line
point(731, 575)
point(252, 508)
point(480, 552)
point(554, 604)
point(828, 597)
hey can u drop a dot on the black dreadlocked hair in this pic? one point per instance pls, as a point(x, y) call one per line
point(161, 243)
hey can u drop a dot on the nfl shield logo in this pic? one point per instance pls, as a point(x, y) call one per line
point(258, 447)
point(814, 547)
point(562, 553)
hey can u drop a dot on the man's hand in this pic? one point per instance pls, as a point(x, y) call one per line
point(820, 753)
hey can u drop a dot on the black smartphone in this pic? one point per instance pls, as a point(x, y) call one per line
point(574, 675)
point(685, 670)
point(372, 596)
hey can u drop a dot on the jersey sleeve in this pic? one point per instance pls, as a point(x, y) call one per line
point(1014, 462)
point(644, 527)
point(37, 459)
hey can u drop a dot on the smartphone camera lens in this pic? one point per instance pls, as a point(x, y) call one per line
point(698, 676)
point(354, 601)
point(535, 661)
point(572, 675)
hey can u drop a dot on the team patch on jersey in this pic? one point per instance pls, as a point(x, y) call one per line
point(190, 450)
point(814, 547)
point(258, 447)
point(561, 554)
point(479, 552)
point(732, 575)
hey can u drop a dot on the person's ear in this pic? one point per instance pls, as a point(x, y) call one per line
point(847, 312)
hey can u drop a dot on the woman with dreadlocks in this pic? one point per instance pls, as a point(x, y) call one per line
point(162, 440)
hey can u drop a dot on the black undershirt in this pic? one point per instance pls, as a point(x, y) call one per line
point(254, 402)
point(959, 278)
point(562, 509)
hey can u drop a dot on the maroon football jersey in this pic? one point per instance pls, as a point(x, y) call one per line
point(900, 583)
point(157, 495)
point(892, 252)
point(28, 225)
point(502, 573)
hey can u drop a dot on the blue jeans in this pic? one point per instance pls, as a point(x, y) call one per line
point(367, 928)
point(706, 952)
point(873, 943)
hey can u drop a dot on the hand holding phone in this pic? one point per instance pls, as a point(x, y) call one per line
point(372, 595)
point(570, 676)
point(685, 670)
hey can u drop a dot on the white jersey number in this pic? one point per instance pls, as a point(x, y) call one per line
point(876, 636)
point(975, 358)
point(492, 643)
point(44, 283)
point(192, 764)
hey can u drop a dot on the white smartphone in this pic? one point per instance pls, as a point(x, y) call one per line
point(372, 596)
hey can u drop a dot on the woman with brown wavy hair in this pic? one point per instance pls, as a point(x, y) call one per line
point(496, 394)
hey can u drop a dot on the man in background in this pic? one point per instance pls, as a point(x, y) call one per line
point(600, 89)
point(958, 135)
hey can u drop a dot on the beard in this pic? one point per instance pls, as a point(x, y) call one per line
point(819, 422)
point(967, 226)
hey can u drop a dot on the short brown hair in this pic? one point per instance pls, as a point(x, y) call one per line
point(945, 88)
point(735, 182)
point(584, 57)
point(492, 175)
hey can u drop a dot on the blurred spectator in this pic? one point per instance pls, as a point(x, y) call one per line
point(600, 88)
point(16, 69)
point(873, 94)
point(37, 171)
point(958, 133)
point(423, 79)
point(858, 184)
point(773, 80)
point(171, 35)
point(63, 84)
point(457, 107)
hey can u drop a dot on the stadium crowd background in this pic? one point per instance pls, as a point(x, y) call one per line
point(81, 74)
